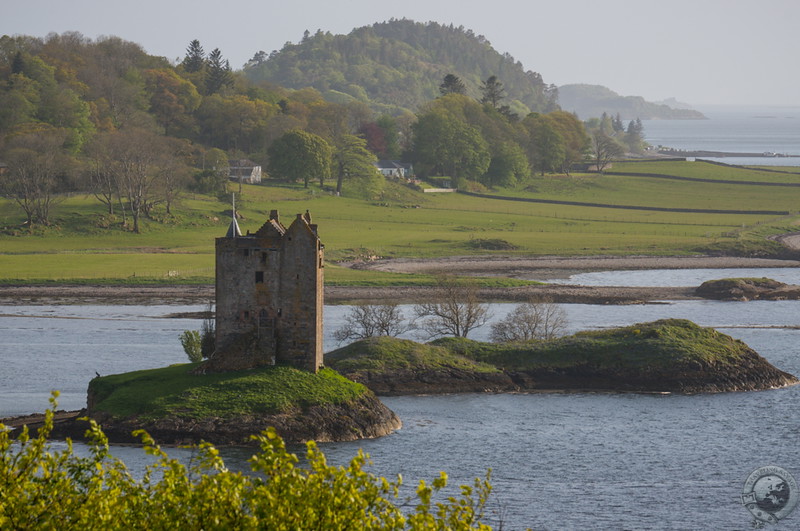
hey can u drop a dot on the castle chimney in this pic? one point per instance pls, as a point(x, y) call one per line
point(273, 214)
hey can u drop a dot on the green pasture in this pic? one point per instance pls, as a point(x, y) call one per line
point(87, 243)
point(705, 170)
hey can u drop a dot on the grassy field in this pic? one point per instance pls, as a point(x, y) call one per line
point(86, 244)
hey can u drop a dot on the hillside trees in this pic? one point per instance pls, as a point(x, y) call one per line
point(172, 100)
point(546, 147)
point(452, 84)
point(446, 145)
point(300, 155)
point(400, 65)
point(36, 162)
point(354, 163)
point(604, 149)
point(137, 165)
point(573, 133)
point(218, 74)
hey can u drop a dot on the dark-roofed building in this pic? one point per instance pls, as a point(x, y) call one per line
point(269, 296)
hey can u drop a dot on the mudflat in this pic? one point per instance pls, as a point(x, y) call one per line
point(520, 267)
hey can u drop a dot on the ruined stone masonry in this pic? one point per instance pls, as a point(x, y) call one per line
point(269, 297)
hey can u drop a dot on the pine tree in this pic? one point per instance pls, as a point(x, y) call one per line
point(195, 58)
point(219, 72)
point(492, 91)
point(452, 84)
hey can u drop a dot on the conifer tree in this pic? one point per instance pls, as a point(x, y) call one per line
point(492, 91)
point(452, 84)
point(195, 58)
point(219, 72)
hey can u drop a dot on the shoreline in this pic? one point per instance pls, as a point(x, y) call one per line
point(544, 268)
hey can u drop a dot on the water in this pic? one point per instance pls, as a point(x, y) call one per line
point(734, 130)
point(677, 277)
point(559, 461)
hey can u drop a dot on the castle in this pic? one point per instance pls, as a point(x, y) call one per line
point(269, 296)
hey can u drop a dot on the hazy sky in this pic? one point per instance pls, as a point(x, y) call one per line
point(698, 51)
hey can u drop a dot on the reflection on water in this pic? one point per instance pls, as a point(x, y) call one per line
point(559, 461)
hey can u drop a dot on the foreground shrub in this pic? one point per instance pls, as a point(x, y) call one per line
point(45, 489)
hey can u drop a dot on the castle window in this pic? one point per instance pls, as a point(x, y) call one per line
point(246, 315)
point(245, 252)
point(259, 277)
point(263, 258)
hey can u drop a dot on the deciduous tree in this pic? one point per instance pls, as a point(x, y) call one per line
point(453, 308)
point(300, 155)
point(371, 320)
point(36, 160)
point(604, 149)
point(529, 321)
point(355, 164)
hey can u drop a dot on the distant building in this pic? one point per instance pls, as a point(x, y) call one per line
point(244, 171)
point(395, 169)
point(269, 296)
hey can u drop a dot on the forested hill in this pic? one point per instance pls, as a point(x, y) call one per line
point(591, 101)
point(399, 65)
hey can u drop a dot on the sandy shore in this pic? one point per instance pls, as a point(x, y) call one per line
point(530, 268)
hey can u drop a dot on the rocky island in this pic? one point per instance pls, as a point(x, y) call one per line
point(747, 289)
point(666, 356)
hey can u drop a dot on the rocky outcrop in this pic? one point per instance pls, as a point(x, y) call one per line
point(747, 289)
point(365, 417)
point(433, 381)
point(754, 373)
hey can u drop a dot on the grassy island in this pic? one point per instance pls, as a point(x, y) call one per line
point(174, 405)
point(671, 355)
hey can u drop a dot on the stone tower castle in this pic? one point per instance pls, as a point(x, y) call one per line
point(269, 291)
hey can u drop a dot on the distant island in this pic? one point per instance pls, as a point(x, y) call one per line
point(593, 100)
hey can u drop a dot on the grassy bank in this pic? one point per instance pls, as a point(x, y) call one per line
point(659, 345)
point(87, 244)
point(172, 391)
point(391, 354)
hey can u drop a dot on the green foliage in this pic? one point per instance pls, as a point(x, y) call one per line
point(400, 64)
point(192, 345)
point(386, 353)
point(45, 488)
point(300, 155)
point(174, 391)
point(667, 343)
point(354, 165)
